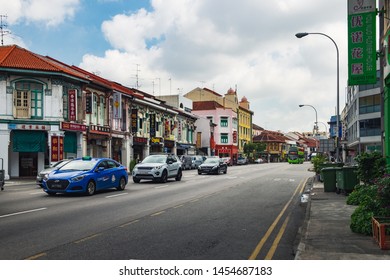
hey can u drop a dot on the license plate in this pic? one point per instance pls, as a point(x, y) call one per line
point(143, 172)
point(56, 186)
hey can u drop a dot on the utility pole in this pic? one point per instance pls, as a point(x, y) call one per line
point(137, 77)
point(2, 26)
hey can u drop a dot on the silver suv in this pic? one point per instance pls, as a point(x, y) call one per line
point(158, 168)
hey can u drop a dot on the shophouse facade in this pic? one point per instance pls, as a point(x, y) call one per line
point(225, 132)
point(52, 111)
point(41, 101)
point(229, 100)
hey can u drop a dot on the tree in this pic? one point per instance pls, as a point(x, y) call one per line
point(251, 149)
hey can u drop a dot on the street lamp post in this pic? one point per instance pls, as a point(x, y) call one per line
point(316, 123)
point(303, 34)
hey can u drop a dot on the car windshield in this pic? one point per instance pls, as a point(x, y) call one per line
point(60, 163)
point(212, 160)
point(155, 159)
point(83, 165)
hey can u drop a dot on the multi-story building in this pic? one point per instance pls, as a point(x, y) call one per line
point(229, 100)
point(225, 131)
point(362, 120)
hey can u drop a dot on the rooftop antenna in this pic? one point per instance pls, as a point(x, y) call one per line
point(2, 31)
point(137, 85)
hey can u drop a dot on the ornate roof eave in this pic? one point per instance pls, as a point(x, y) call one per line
point(46, 73)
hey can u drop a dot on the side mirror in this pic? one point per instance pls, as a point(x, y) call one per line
point(101, 168)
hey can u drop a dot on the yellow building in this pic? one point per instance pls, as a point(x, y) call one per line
point(244, 124)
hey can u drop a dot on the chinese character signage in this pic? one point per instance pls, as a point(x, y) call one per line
point(152, 119)
point(72, 96)
point(88, 103)
point(57, 148)
point(117, 104)
point(134, 120)
point(361, 42)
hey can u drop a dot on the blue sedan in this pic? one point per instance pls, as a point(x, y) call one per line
point(86, 175)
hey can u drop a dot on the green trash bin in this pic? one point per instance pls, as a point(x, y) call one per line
point(328, 164)
point(329, 176)
point(346, 179)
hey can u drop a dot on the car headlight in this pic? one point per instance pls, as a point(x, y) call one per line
point(159, 167)
point(77, 178)
point(215, 167)
point(46, 177)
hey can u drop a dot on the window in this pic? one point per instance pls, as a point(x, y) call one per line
point(224, 138)
point(28, 100)
point(370, 104)
point(224, 122)
point(370, 127)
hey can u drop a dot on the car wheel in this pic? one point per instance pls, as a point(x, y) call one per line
point(218, 171)
point(179, 175)
point(225, 170)
point(136, 180)
point(91, 188)
point(164, 177)
point(122, 184)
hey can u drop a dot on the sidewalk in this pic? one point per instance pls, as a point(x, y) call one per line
point(326, 234)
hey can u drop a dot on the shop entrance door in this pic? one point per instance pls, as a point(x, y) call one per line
point(28, 163)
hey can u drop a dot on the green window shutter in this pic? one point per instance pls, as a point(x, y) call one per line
point(70, 142)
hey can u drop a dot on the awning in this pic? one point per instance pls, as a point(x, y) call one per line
point(28, 141)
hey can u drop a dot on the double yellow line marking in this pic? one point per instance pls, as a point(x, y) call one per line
point(272, 250)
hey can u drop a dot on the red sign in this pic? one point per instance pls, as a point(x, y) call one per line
point(72, 106)
point(235, 137)
point(57, 148)
point(73, 126)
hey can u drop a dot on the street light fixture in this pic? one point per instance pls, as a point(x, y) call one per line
point(303, 34)
point(316, 123)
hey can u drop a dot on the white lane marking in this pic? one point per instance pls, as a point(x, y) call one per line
point(22, 212)
point(161, 187)
point(115, 195)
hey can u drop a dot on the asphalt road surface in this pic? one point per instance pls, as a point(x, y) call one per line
point(252, 212)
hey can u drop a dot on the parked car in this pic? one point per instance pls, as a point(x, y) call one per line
point(186, 162)
point(259, 160)
point(158, 168)
point(228, 161)
point(55, 166)
point(242, 160)
point(213, 165)
point(196, 161)
point(86, 175)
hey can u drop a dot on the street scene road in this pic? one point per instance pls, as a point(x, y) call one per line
point(252, 212)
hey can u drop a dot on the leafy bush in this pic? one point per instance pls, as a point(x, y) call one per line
point(361, 194)
point(317, 161)
point(361, 220)
point(370, 166)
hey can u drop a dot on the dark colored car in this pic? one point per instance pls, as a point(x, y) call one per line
point(86, 175)
point(212, 165)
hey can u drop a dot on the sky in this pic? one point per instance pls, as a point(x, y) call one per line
point(173, 46)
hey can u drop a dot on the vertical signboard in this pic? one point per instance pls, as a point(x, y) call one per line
point(361, 42)
point(88, 103)
point(152, 120)
point(57, 148)
point(72, 110)
point(134, 120)
point(117, 104)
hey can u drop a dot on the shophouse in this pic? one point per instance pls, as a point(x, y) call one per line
point(225, 132)
point(276, 145)
point(40, 120)
point(186, 134)
point(229, 100)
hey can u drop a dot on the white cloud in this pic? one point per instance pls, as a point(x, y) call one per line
point(179, 45)
point(50, 13)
